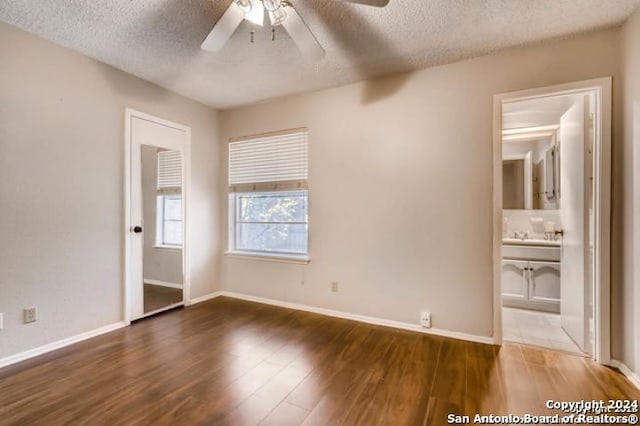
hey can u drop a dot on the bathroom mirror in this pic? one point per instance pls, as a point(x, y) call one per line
point(530, 174)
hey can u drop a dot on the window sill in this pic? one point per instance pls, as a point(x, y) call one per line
point(269, 257)
point(172, 248)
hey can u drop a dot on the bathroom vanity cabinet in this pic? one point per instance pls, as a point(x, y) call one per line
point(531, 277)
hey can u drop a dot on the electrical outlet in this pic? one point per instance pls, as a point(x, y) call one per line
point(425, 319)
point(334, 286)
point(30, 314)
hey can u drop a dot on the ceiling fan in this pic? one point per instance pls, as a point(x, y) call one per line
point(280, 12)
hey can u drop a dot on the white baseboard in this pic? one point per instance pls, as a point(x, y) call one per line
point(205, 297)
point(360, 318)
point(162, 283)
point(633, 377)
point(22, 356)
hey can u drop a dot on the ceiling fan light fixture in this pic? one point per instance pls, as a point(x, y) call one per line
point(245, 5)
point(272, 5)
point(278, 16)
point(256, 14)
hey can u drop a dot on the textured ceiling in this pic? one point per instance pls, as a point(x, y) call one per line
point(159, 40)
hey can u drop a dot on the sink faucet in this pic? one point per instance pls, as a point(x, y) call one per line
point(522, 235)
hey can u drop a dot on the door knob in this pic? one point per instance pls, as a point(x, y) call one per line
point(137, 229)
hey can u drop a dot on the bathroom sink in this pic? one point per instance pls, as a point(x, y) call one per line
point(530, 242)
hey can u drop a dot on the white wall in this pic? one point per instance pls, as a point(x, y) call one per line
point(627, 205)
point(401, 188)
point(61, 188)
point(159, 263)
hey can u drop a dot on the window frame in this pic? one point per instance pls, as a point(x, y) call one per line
point(233, 222)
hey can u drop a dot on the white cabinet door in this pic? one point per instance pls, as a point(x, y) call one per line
point(544, 282)
point(514, 279)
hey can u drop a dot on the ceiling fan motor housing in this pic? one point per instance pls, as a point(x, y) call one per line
point(280, 12)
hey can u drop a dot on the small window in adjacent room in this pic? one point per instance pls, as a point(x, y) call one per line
point(169, 221)
point(268, 195)
point(169, 200)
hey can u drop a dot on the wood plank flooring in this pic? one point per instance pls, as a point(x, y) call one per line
point(230, 362)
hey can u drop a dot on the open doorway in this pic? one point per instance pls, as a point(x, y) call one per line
point(551, 204)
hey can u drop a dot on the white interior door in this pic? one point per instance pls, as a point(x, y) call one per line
point(574, 217)
point(146, 132)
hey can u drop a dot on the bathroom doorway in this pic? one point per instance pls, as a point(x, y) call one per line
point(551, 212)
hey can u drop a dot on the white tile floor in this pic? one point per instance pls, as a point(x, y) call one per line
point(536, 328)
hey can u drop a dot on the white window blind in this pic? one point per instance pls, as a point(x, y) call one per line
point(169, 171)
point(276, 161)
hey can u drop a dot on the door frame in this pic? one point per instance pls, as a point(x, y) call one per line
point(130, 114)
point(602, 204)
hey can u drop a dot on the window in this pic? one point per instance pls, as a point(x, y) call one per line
point(169, 220)
point(268, 195)
point(274, 222)
point(169, 200)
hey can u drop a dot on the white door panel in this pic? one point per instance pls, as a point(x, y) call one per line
point(573, 133)
point(146, 133)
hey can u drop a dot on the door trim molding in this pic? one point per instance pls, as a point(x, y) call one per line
point(602, 202)
point(186, 196)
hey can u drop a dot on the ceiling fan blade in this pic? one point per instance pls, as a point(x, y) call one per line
point(302, 35)
point(375, 3)
point(223, 29)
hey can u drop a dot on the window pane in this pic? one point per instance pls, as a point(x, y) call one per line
point(270, 207)
point(282, 238)
point(159, 220)
point(172, 208)
point(172, 233)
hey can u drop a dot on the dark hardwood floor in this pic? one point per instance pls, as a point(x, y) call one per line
point(231, 362)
